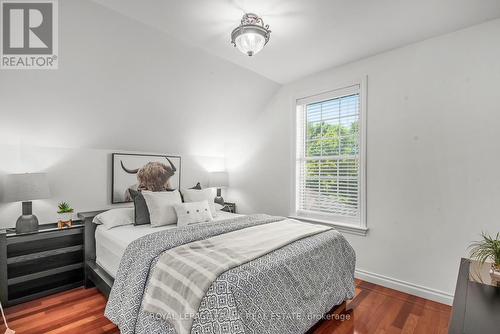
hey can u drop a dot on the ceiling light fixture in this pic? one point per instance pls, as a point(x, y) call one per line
point(251, 35)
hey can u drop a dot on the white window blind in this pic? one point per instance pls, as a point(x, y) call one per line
point(328, 166)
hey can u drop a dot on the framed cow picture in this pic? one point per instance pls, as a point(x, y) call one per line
point(143, 172)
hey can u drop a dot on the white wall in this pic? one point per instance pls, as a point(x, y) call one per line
point(433, 156)
point(120, 86)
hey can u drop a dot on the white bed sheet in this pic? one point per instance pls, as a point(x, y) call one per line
point(111, 244)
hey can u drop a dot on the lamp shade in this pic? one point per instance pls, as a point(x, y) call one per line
point(26, 187)
point(218, 179)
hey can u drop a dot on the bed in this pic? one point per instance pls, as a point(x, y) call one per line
point(111, 244)
point(286, 290)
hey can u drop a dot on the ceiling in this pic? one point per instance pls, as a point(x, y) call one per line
point(307, 35)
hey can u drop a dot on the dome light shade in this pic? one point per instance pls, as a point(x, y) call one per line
point(251, 35)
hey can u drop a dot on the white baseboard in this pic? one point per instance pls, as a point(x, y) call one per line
point(406, 287)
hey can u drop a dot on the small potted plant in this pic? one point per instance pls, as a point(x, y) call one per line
point(488, 249)
point(65, 212)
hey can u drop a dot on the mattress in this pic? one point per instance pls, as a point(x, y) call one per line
point(111, 244)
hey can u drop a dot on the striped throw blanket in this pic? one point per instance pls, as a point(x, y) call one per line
point(183, 274)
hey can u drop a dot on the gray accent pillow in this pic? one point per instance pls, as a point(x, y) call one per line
point(141, 211)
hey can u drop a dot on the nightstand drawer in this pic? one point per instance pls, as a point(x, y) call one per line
point(20, 248)
point(45, 284)
point(38, 263)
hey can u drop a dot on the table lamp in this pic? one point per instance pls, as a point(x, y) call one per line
point(218, 180)
point(26, 187)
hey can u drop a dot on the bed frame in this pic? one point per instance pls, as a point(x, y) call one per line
point(94, 274)
point(98, 277)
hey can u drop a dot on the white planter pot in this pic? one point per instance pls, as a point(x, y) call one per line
point(65, 217)
point(495, 273)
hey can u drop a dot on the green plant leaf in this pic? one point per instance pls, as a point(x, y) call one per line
point(486, 249)
point(64, 207)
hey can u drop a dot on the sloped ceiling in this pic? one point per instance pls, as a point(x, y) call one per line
point(124, 85)
point(307, 36)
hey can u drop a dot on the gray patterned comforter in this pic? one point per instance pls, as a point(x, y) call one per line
point(286, 291)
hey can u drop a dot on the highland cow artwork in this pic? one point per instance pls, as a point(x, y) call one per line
point(143, 172)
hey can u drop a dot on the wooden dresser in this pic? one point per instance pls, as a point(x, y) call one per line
point(476, 306)
point(34, 265)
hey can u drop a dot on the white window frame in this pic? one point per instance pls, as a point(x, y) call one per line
point(358, 227)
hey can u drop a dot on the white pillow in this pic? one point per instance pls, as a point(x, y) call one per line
point(198, 195)
point(115, 217)
point(192, 213)
point(161, 206)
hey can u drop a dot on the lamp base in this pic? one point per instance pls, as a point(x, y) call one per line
point(219, 200)
point(27, 224)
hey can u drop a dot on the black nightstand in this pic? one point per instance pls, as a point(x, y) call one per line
point(476, 304)
point(229, 207)
point(33, 265)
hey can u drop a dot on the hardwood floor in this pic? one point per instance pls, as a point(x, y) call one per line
point(375, 309)
point(75, 311)
point(380, 310)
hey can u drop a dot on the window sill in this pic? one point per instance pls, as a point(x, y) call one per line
point(346, 228)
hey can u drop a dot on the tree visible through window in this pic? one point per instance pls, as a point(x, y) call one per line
point(328, 158)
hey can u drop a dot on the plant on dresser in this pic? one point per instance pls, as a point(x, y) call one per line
point(487, 249)
point(65, 212)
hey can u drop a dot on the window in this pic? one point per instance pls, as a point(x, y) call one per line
point(330, 157)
